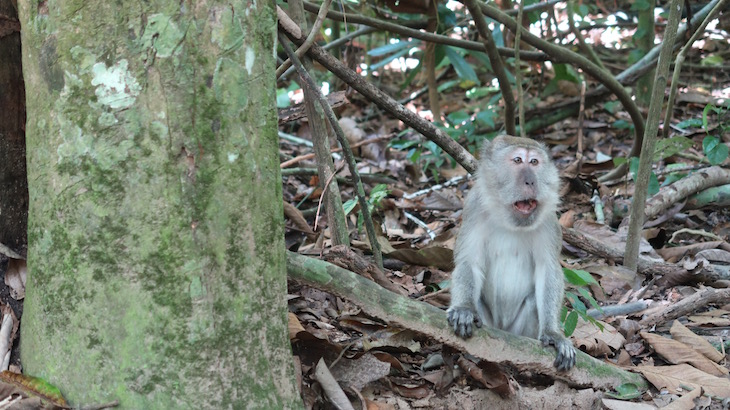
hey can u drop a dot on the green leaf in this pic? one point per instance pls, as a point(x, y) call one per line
point(458, 117)
point(640, 5)
point(653, 187)
point(690, 123)
point(349, 205)
point(708, 108)
point(575, 302)
point(619, 161)
point(587, 295)
point(626, 391)
point(388, 59)
point(611, 106)
point(665, 148)
point(486, 118)
point(714, 150)
point(463, 69)
point(623, 124)
point(391, 48)
point(635, 55)
point(479, 92)
point(570, 323)
point(447, 84)
point(578, 277)
point(713, 60)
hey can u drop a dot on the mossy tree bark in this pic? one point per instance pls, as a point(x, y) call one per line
point(156, 251)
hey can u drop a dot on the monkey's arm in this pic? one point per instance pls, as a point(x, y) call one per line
point(461, 313)
point(549, 292)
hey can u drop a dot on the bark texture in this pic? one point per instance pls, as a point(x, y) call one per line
point(13, 184)
point(156, 251)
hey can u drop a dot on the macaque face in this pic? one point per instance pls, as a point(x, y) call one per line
point(524, 166)
point(520, 180)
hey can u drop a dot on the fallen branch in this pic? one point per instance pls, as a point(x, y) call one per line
point(520, 353)
point(686, 306)
point(692, 184)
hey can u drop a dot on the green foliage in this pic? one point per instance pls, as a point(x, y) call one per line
point(623, 125)
point(690, 123)
point(665, 148)
point(611, 106)
point(653, 181)
point(626, 391)
point(377, 194)
point(640, 5)
point(463, 69)
point(392, 52)
point(715, 151)
point(282, 95)
point(713, 60)
point(563, 72)
point(580, 279)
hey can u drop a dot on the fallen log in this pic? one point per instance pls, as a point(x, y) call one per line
point(520, 353)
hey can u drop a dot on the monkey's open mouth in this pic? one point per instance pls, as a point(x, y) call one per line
point(526, 206)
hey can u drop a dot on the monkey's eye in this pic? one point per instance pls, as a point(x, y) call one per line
point(517, 160)
point(534, 161)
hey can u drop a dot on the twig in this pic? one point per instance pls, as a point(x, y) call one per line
point(301, 158)
point(641, 185)
point(581, 41)
point(431, 234)
point(561, 54)
point(403, 29)
point(581, 116)
point(337, 43)
point(452, 181)
point(699, 181)
point(346, 150)
point(687, 305)
point(680, 59)
point(320, 137)
point(618, 310)
point(518, 74)
point(443, 140)
point(497, 65)
point(310, 38)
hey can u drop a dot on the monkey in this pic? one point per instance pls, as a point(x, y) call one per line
point(507, 271)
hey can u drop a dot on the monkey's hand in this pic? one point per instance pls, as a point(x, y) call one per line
point(566, 352)
point(461, 319)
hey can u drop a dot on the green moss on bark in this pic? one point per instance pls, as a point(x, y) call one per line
point(155, 231)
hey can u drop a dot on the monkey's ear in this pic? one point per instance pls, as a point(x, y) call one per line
point(486, 150)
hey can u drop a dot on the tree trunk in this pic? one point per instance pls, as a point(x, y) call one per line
point(156, 251)
point(13, 185)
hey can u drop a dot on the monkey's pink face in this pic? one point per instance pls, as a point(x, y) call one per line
point(525, 165)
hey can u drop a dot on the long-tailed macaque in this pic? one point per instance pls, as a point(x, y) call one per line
point(508, 273)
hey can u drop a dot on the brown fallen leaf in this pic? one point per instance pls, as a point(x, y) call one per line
point(673, 377)
point(294, 326)
point(677, 352)
point(359, 372)
point(589, 338)
point(686, 402)
point(680, 333)
point(15, 277)
point(704, 320)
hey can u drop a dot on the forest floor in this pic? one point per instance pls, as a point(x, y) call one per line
point(382, 366)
